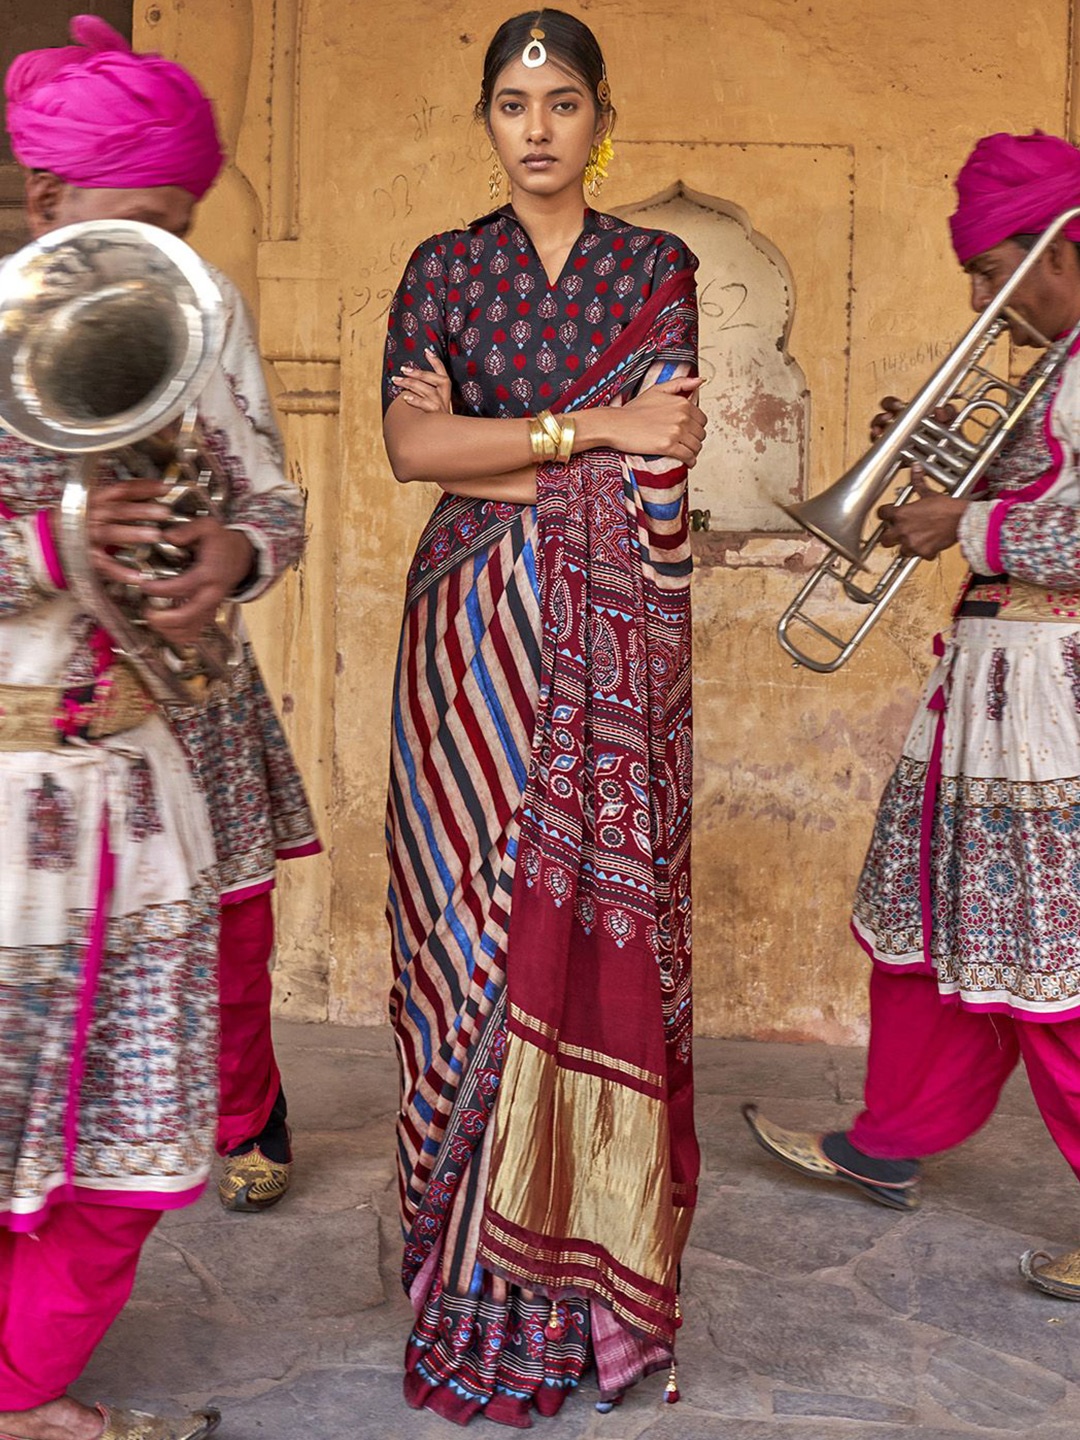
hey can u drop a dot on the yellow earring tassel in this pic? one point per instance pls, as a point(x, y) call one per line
point(596, 171)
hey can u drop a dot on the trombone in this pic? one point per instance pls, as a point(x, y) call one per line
point(987, 407)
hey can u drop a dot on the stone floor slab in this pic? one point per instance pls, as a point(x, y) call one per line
point(810, 1313)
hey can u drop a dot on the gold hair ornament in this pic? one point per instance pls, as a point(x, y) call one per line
point(534, 55)
point(600, 157)
point(603, 92)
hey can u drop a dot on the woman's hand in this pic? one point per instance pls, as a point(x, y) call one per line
point(663, 420)
point(425, 389)
point(925, 526)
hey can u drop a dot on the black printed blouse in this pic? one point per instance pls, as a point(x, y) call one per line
point(511, 340)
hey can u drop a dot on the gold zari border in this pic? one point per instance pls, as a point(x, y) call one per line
point(593, 1057)
point(597, 1157)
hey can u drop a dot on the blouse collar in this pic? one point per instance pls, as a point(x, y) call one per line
point(505, 214)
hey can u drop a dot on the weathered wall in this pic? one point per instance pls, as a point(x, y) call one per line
point(834, 128)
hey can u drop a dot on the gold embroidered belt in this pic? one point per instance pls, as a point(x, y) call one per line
point(1014, 600)
point(45, 717)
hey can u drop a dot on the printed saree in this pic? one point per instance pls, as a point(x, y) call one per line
point(539, 840)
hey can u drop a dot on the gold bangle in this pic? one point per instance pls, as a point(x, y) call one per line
point(567, 432)
point(543, 447)
point(552, 429)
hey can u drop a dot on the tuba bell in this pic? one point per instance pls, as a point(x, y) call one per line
point(109, 332)
point(985, 409)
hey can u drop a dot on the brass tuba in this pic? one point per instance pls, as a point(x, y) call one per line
point(109, 332)
point(954, 453)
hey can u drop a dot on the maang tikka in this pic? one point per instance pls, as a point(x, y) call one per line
point(534, 55)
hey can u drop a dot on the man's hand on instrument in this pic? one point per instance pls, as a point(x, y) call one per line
point(425, 389)
point(120, 513)
point(891, 410)
point(223, 558)
point(924, 526)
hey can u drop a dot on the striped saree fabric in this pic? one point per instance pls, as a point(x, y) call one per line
point(539, 907)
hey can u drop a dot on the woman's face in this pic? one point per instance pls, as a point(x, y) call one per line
point(543, 123)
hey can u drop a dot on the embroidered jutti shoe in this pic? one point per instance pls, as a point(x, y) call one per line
point(894, 1183)
point(135, 1425)
point(252, 1182)
point(1059, 1277)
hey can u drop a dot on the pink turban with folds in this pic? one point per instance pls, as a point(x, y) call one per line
point(101, 117)
point(1014, 185)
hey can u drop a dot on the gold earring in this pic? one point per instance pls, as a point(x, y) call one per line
point(495, 180)
point(596, 170)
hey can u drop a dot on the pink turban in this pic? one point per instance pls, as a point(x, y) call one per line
point(1014, 185)
point(102, 117)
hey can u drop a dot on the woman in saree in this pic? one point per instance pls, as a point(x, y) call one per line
point(541, 369)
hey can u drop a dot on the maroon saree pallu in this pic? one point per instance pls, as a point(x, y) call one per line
point(547, 1149)
point(594, 1160)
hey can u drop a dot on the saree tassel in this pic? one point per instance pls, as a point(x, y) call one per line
point(555, 1328)
point(671, 1389)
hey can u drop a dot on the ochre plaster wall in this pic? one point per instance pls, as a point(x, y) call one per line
point(835, 127)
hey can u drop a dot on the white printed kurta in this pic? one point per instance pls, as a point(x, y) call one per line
point(973, 870)
point(108, 885)
point(258, 806)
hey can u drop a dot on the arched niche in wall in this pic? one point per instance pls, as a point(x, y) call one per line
point(756, 398)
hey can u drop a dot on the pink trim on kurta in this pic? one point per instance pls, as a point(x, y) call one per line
point(49, 552)
point(915, 965)
point(240, 893)
point(27, 1222)
point(95, 950)
point(6, 513)
point(1006, 499)
point(938, 703)
point(247, 892)
point(303, 847)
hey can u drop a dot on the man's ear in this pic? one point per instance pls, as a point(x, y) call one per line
point(44, 191)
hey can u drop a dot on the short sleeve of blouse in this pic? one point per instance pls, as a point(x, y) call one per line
point(672, 256)
point(417, 314)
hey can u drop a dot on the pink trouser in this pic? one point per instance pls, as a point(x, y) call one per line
point(249, 1072)
point(60, 1290)
point(935, 1070)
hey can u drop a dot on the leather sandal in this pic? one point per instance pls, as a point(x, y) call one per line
point(136, 1425)
point(800, 1150)
point(1060, 1277)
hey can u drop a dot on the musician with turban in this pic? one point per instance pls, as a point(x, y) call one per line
point(114, 863)
point(969, 900)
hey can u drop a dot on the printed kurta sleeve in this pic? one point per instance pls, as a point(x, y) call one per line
point(30, 568)
point(1036, 539)
point(673, 256)
point(417, 316)
point(241, 432)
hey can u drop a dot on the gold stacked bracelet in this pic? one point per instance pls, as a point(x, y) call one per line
point(552, 437)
